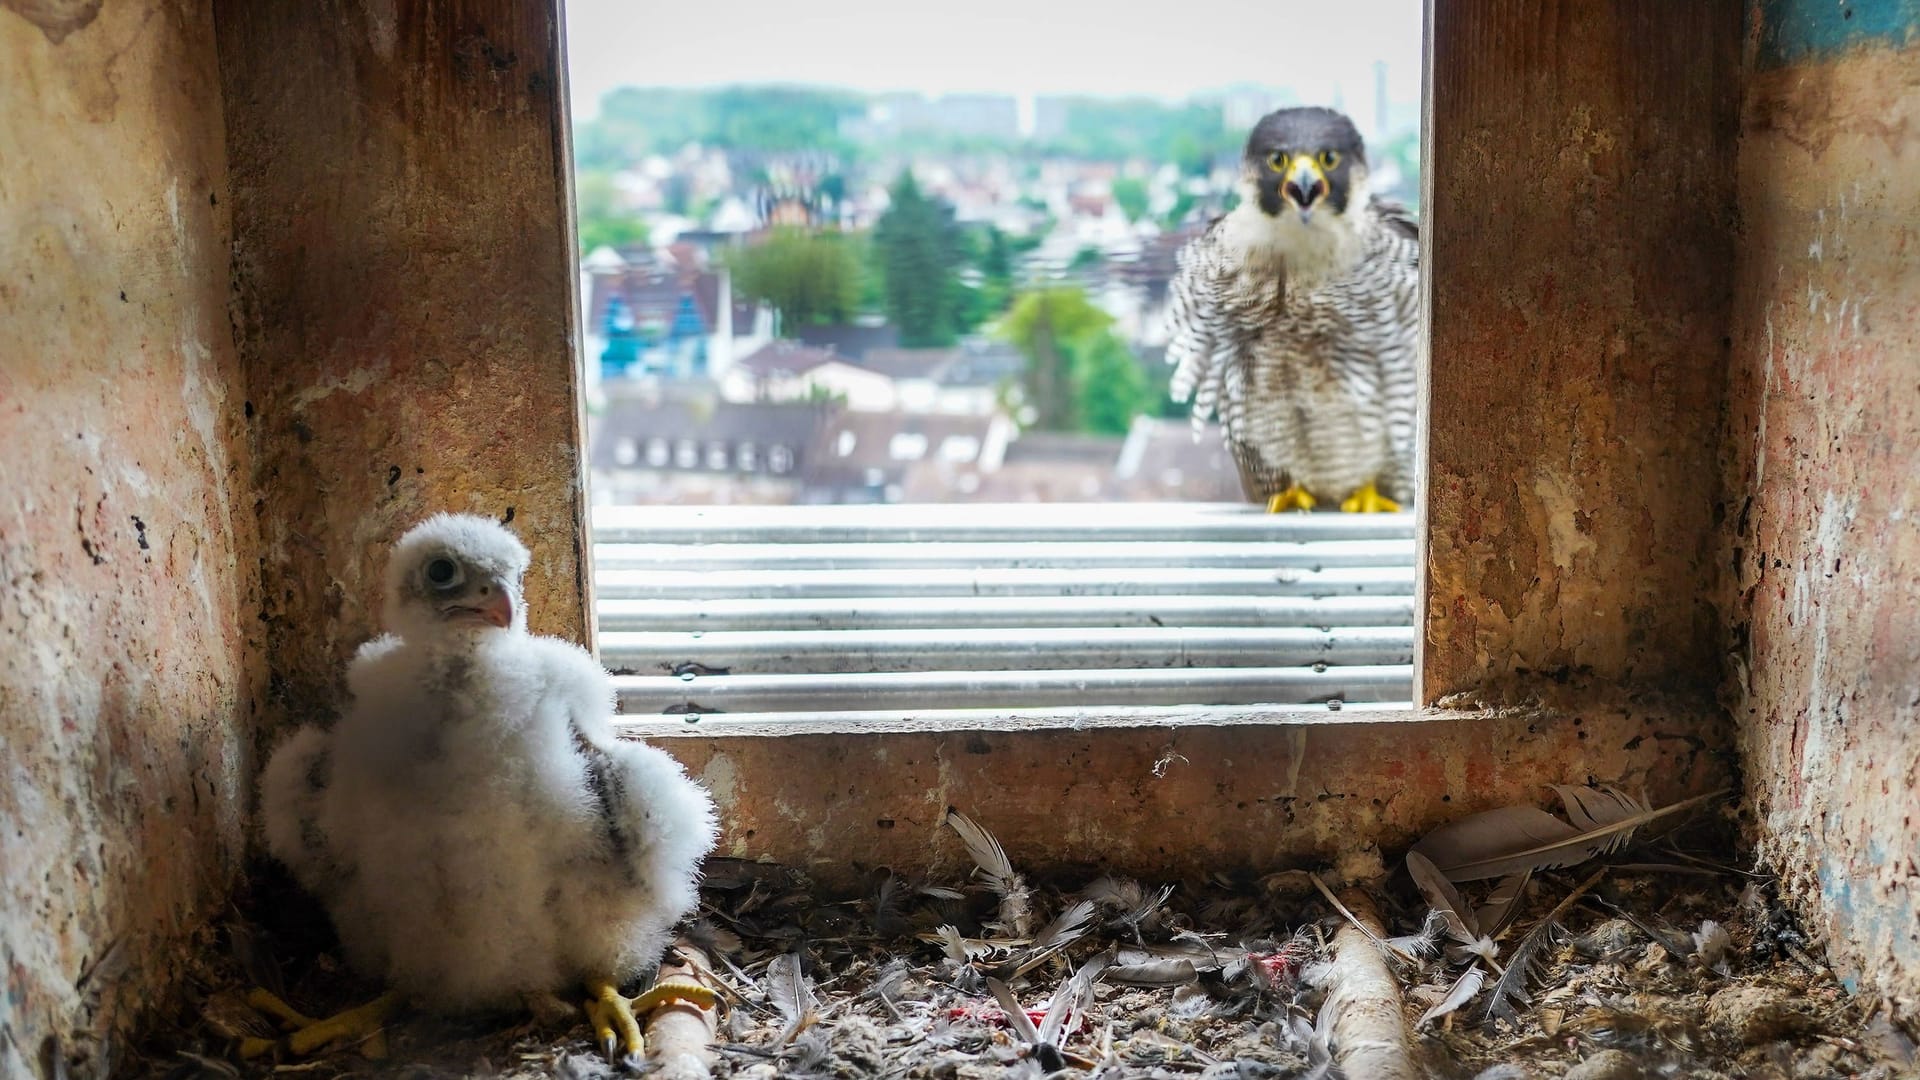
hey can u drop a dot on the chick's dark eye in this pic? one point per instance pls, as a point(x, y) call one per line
point(1277, 161)
point(442, 572)
point(1329, 158)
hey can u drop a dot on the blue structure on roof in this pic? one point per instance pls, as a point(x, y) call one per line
point(621, 357)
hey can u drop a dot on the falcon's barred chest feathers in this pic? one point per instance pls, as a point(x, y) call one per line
point(1296, 318)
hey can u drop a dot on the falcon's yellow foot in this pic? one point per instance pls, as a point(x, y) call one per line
point(615, 1019)
point(361, 1025)
point(1368, 500)
point(1294, 498)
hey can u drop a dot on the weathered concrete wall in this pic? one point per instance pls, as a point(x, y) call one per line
point(1823, 538)
point(1579, 222)
point(1177, 802)
point(127, 676)
point(404, 302)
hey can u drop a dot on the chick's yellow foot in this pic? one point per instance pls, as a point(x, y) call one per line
point(1294, 498)
point(615, 1019)
point(361, 1025)
point(1368, 500)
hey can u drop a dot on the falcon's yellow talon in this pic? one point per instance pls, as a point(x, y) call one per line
point(265, 1001)
point(1368, 500)
point(362, 1023)
point(675, 988)
point(615, 1031)
point(1294, 498)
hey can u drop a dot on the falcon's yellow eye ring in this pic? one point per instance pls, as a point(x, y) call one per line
point(1329, 158)
point(1277, 161)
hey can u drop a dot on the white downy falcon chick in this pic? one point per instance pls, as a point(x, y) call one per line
point(476, 831)
point(1296, 316)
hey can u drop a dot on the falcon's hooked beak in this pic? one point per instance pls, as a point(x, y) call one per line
point(494, 609)
point(1305, 185)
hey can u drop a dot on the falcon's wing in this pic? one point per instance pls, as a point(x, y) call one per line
point(1401, 220)
point(1393, 267)
point(1194, 323)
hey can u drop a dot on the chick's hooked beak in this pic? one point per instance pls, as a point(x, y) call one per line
point(1305, 185)
point(494, 607)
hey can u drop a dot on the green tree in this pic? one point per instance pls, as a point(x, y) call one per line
point(1130, 194)
point(1044, 324)
point(636, 121)
point(810, 278)
point(1109, 388)
point(918, 252)
point(603, 221)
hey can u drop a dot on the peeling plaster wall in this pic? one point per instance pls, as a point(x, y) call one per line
point(1824, 473)
point(127, 669)
point(1579, 225)
point(403, 300)
point(1173, 802)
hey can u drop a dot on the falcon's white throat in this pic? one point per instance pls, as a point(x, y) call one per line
point(1324, 246)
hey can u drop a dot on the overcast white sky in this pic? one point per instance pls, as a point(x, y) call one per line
point(1168, 48)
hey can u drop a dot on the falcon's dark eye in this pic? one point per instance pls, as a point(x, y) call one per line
point(1329, 158)
point(1277, 161)
point(443, 573)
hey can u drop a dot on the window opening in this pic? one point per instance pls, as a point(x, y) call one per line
point(880, 409)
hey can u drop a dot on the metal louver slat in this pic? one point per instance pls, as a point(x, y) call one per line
point(769, 611)
point(1010, 689)
point(1010, 612)
point(990, 523)
point(1019, 554)
point(964, 581)
point(854, 651)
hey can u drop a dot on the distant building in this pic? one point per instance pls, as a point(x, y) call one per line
point(664, 316)
point(851, 340)
point(1164, 459)
point(651, 445)
point(896, 457)
point(789, 371)
point(960, 380)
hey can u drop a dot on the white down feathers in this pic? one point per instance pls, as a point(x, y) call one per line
point(472, 824)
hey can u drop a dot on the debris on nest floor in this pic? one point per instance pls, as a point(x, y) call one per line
point(1676, 967)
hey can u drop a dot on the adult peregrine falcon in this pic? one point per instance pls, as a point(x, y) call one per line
point(1296, 317)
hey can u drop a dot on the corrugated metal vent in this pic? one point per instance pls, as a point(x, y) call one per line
point(814, 610)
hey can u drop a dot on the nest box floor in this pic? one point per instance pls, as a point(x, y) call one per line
point(1218, 980)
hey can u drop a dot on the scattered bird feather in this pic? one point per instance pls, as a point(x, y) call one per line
point(1016, 900)
point(1710, 946)
point(1525, 959)
point(1065, 929)
point(1514, 839)
point(792, 995)
point(1443, 897)
point(1503, 904)
point(1463, 990)
point(1425, 943)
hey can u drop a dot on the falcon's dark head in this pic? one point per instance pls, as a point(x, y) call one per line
point(1305, 161)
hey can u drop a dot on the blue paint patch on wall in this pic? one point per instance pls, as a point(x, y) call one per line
point(1792, 31)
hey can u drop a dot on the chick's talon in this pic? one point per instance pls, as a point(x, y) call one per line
point(362, 1024)
point(675, 988)
point(1368, 500)
point(615, 1030)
